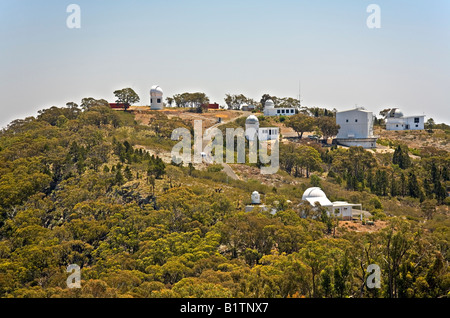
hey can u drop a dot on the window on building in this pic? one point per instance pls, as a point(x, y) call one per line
point(151, 100)
point(278, 111)
point(159, 100)
point(396, 125)
point(282, 111)
point(346, 120)
point(356, 120)
point(292, 111)
point(417, 126)
point(416, 120)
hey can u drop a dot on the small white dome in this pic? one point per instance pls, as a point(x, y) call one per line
point(314, 193)
point(252, 119)
point(395, 113)
point(398, 113)
point(256, 198)
point(156, 91)
point(269, 104)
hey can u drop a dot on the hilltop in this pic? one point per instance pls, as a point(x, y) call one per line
point(96, 187)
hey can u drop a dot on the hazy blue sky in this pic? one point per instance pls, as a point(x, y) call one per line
point(220, 47)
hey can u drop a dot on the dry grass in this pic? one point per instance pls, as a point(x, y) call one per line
point(357, 226)
point(417, 138)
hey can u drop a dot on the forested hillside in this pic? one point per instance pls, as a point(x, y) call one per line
point(78, 187)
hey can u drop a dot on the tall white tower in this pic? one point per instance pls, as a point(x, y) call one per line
point(269, 108)
point(156, 98)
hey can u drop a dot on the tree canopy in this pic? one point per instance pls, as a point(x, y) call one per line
point(90, 186)
point(126, 96)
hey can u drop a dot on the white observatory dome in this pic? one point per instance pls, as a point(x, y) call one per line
point(314, 193)
point(156, 91)
point(395, 113)
point(256, 198)
point(269, 104)
point(251, 120)
point(156, 98)
point(398, 113)
point(251, 127)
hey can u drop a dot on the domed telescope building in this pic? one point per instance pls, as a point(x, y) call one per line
point(341, 209)
point(271, 110)
point(253, 132)
point(395, 120)
point(156, 98)
point(251, 127)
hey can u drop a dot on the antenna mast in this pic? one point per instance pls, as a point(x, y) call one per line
point(299, 94)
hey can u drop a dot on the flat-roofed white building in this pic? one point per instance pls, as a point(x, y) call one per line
point(268, 133)
point(252, 130)
point(270, 110)
point(356, 128)
point(395, 120)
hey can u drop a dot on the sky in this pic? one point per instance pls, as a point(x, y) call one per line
point(249, 47)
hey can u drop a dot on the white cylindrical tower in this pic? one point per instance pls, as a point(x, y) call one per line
point(256, 198)
point(251, 127)
point(156, 98)
point(269, 104)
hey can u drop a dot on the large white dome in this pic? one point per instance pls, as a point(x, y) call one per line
point(156, 91)
point(314, 193)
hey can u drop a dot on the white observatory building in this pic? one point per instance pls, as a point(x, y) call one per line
point(254, 132)
point(356, 128)
point(395, 120)
point(270, 110)
point(256, 202)
point(156, 98)
point(340, 209)
point(251, 127)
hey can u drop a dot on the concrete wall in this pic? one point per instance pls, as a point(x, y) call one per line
point(366, 143)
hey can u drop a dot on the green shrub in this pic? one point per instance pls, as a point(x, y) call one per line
point(215, 168)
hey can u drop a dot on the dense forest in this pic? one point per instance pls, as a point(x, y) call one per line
point(78, 187)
